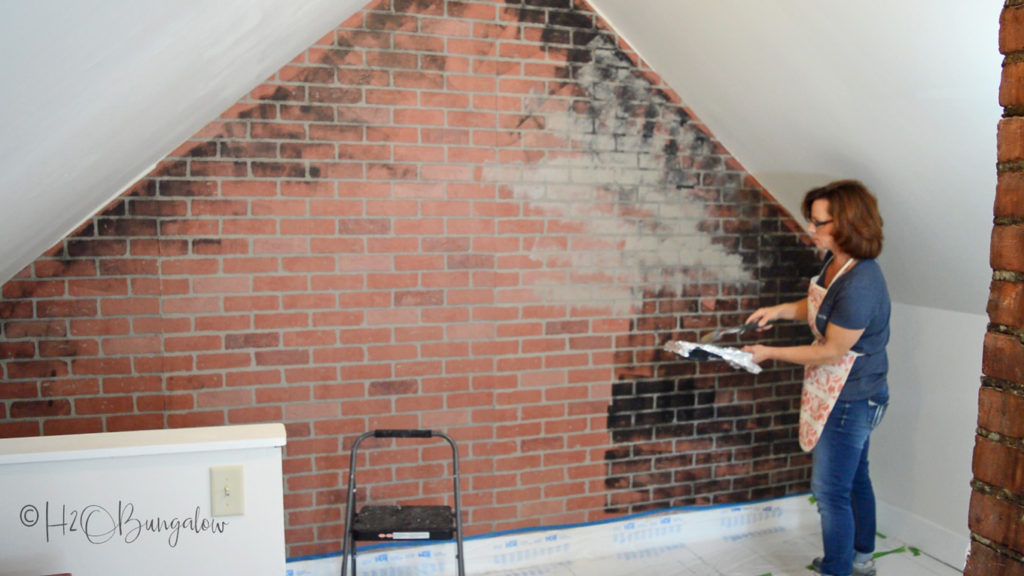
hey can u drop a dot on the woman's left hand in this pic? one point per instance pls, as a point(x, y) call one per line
point(759, 352)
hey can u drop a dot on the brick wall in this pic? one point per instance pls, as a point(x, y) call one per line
point(997, 499)
point(482, 217)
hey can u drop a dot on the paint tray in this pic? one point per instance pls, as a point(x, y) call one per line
point(699, 352)
point(404, 523)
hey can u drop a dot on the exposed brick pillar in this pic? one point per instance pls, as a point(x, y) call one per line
point(996, 515)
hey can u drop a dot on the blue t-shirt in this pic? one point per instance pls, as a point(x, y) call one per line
point(859, 299)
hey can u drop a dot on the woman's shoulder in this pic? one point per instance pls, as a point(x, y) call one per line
point(867, 273)
point(868, 267)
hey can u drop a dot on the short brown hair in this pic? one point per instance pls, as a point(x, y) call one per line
point(854, 211)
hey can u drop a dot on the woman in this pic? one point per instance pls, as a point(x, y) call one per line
point(845, 390)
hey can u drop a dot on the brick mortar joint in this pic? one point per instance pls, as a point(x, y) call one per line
point(1000, 549)
point(1010, 112)
point(1009, 442)
point(998, 493)
point(1007, 276)
point(1017, 333)
point(1012, 165)
point(1004, 386)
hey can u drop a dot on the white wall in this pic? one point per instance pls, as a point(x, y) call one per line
point(921, 453)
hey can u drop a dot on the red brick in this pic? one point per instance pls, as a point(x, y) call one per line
point(165, 402)
point(255, 378)
point(281, 357)
point(984, 561)
point(34, 289)
point(104, 405)
point(997, 412)
point(191, 305)
point(1003, 358)
point(37, 369)
point(158, 247)
point(252, 340)
point(997, 520)
point(40, 408)
point(129, 422)
point(196, 419)
point(999, 465)
point(66, 309)
point(192, 343)
point(59, 426)
point(162, 364)
point(129, 306)
point(19, 390)
point(1011, 87)
point(307, 264)
point(129, 267)
point(15, 329)
point(64, 269)
point(224, 398)
point(222, 361)
point(1007, 249)
point(164, 287)
point(194, 382)
point(1010, 195)
point(1010, 138)
point(10, 350)
point(1006, 304)
point(18, 429)
point(73, 387)
point(131, 384)
point(131, 345)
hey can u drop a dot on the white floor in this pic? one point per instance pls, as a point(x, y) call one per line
point(773, 538)
point(770, 555)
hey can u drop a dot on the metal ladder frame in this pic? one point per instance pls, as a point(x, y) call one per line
point(349, 549)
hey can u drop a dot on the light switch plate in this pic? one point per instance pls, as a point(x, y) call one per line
point(227, 490)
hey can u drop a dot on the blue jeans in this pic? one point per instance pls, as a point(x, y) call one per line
point(842, 486)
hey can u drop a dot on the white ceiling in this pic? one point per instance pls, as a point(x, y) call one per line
point(902, 95)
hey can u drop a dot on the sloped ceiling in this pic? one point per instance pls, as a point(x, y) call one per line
point(95, 92)
point(902, 95)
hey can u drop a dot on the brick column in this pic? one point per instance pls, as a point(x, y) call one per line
point(996, 515)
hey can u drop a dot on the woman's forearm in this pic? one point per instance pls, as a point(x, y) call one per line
point(838, 341)
point(795, 310)
point(809, 355)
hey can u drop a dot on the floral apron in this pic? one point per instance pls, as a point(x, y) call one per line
point(823, 382)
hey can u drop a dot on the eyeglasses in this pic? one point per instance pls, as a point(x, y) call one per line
point(819, 223)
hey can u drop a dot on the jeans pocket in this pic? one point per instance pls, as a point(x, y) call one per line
point(876, 412)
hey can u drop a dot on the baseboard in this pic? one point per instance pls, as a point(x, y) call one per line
point(930, 538)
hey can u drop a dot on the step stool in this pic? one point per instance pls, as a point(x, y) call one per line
point(401, 523)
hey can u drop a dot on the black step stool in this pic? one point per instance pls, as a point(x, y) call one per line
point(401, 523)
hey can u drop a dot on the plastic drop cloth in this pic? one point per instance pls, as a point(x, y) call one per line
point(734, 356)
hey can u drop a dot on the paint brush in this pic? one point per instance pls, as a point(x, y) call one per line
point(717, 334)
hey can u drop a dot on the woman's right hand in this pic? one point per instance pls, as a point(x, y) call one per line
point(785, 311)
point(765, 316)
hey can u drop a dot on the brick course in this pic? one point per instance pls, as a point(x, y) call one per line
point(483, 217)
